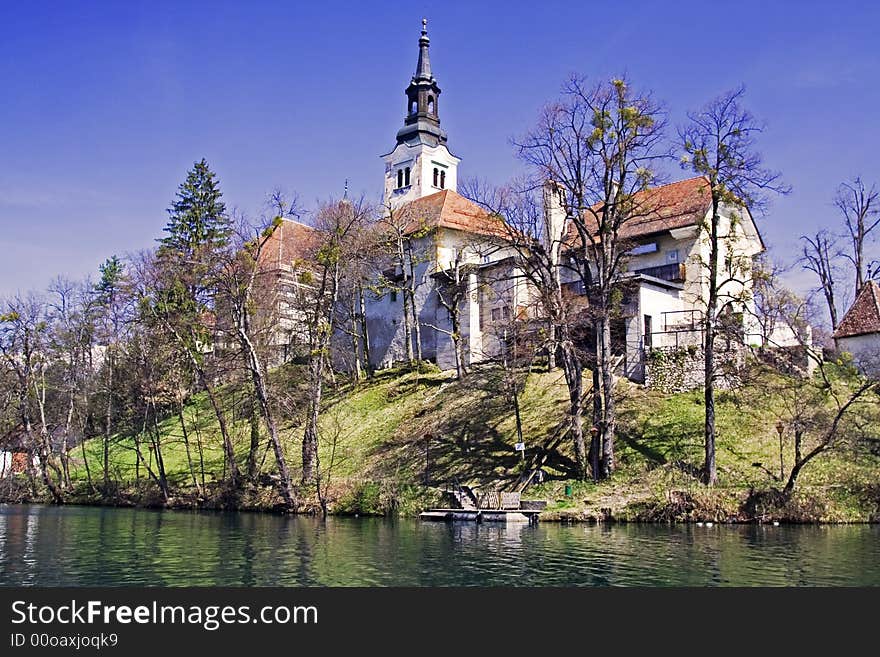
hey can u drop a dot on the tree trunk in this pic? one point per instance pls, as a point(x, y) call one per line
point(82, 444)
point(574, 380)
point(457, 346)
point(596, 439)
point(108, 415)
point(832, 309)
point(407, 327)
point(140, 455)
point(253, 450)
point(365, 333)
point(68, 424)
point(43, 444)
point(228, 449)
point(310, 436)
point(356, 342)
point(858, 258)
point(156, 440)
point(258, 378)
point(417, 328)
point(710, 475)
point(609, 421)
point(192, 470)
point(404, 289)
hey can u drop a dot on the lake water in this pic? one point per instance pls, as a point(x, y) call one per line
point(82, 546)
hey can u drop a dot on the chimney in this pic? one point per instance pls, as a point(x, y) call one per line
point(554, 218)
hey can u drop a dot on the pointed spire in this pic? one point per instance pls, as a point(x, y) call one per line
point(422, 122)
point(423, 68)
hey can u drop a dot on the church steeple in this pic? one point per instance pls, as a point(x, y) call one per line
point(422, 123)
point(420, 164)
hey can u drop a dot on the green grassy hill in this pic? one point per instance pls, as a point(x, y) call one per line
point(389, 445)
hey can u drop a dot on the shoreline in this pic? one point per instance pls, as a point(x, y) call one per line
point(555, 516)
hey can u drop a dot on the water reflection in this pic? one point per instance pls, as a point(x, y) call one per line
point(78, 546)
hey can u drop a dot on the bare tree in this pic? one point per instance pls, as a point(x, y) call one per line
point(818, 256)
point(188, 324)
point(860, 207)
point(403, 232)
point(336, 222)
point(237, 285)
point(533, 221)
point(719, 143)
point(453, 288)
point(367, 257)
point(24, 345)
point(600, 144)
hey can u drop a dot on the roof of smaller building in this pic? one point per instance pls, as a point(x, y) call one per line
point(290, 241)
point(448, 209)
point(667, 207)
point(863, 317)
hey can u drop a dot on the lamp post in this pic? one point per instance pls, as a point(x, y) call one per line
point(780, 429)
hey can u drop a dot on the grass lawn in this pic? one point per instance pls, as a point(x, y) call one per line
point(382, 440)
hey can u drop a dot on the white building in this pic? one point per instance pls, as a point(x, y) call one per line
point(859, 331)
point(453, 244)
point(666, 277)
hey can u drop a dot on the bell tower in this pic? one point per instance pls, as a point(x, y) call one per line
point(420, 163)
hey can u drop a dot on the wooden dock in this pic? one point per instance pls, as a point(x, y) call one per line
point(481, 515)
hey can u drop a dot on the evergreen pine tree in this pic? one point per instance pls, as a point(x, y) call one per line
point(197, 217)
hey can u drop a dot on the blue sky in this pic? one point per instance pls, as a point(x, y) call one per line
point(106, 105)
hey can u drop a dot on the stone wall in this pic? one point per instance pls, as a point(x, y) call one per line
point(677, 369)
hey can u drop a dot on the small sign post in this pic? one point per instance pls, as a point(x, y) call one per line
point(521, 448)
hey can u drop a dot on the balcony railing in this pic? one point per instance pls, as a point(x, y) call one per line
point(674, 272)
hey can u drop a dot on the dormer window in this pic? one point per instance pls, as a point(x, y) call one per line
point(442, 180)
point(436, 177)
point(406, 177)
point(399, 178)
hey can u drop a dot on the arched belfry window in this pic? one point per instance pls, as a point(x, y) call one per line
point(413, 107)
point(399, 178)
point(406, 177)
point(436, 175)
point(430, 104)
point(442, 180)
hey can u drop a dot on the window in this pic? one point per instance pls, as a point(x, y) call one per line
point(502, 313)
point(442, 180)
point(436, 175)
point(648, 331)
point(406, 176)
point(413, 107)
point(430, 104)
point(672, 256)
point(399, 178)
point(393, 296)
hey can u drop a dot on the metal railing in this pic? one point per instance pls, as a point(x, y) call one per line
point(674, 272)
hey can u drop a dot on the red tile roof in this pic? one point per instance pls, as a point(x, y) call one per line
point(863, 317)
point(448, 209)
point(676, 205)
point(289, 243)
